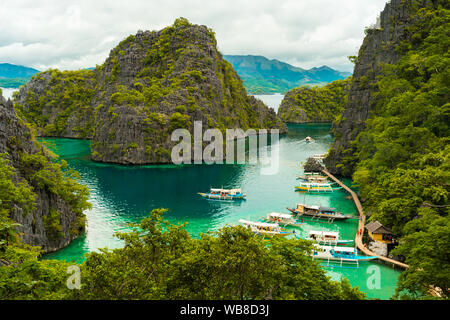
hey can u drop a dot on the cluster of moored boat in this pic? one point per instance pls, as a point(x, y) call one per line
point(315, 182)
point(327, 243)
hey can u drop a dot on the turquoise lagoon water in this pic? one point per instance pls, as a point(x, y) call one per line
point(124, 194)
point(271, 100)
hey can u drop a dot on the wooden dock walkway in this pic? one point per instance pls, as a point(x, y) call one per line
point(362, 221)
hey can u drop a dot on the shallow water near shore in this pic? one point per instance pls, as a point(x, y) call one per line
point(124, 194)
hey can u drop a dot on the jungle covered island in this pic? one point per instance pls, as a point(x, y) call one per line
point(393, 135)
point(315, 104)
point(152, 83)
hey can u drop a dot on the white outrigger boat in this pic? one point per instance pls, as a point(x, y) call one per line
point(265, 229)
point(327, 238)
point(223, 194)
point(339, 254)
point(316, 187)
point(284, 219)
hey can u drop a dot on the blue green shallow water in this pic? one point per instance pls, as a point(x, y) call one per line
point(124, 194)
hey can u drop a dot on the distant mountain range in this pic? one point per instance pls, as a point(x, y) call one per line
point(13, 76)
point(261, 75)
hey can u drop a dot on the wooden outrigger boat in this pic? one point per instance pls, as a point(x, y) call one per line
point(318, 212)
point(316, 187)
point(265, 229)
point(339, 254)
point(283, 219)
point(223, 194)
point(327, 238)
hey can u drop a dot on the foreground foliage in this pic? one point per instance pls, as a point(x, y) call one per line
point(161, 261)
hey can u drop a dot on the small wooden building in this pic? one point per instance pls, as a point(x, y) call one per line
point(380, 233)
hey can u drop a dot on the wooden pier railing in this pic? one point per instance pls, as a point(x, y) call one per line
point(362, 221)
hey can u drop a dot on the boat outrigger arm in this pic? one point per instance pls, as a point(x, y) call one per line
point(339, 254)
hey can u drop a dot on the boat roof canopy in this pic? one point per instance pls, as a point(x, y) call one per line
point(280, 215)
point(309, 207)
point(327, 209)
point(344, 249)
point(315, 184)
point(262, 224)
point(330, 233)
point(335, 248)
point(237, 190)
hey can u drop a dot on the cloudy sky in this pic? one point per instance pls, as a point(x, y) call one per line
point(70, 34)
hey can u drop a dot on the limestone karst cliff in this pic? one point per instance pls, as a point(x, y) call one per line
point(151, 83)
point(34, 192)
point(380, 47)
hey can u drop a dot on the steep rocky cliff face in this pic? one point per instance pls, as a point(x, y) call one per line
point(59, 103)
point(379, 48)
point(152, 83)
point(316, 104)
point(47, 204)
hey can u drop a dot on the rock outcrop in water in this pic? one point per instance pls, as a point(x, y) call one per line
point(152, 83)
point(316, 104)
point(47, 204)
point(378, 48)
point(312, 165)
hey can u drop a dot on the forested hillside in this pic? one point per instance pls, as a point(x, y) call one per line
point(393, 137)
point(316, 104)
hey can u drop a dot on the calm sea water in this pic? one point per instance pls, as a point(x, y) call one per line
point(7, 92)
point(272, 100)
point(124, 194)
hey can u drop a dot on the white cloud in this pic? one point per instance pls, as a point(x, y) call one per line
point(78, 34)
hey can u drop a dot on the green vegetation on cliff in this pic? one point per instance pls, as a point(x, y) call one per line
point(39, 174)
point(13, 193)
point(41, 203)
point(316, 104)
point(40, 198)
point(56, 97)
point(400, 160)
